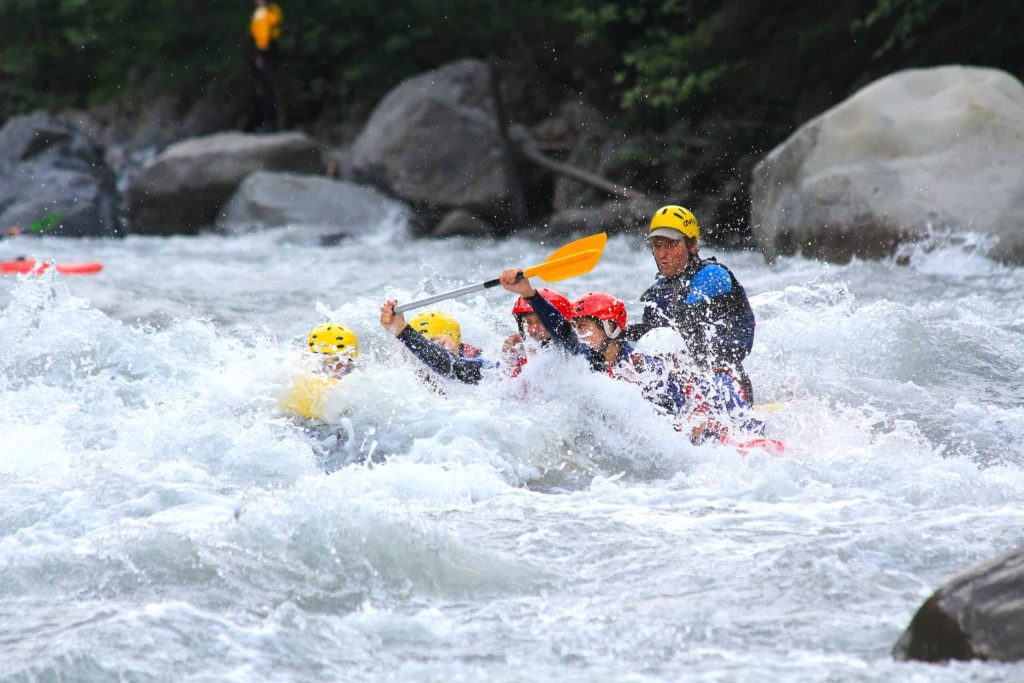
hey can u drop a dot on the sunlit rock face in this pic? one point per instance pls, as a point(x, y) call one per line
point(977, 615)
point(183, 188)
point(920, 151)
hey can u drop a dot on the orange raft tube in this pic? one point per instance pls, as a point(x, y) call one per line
point(23, 266)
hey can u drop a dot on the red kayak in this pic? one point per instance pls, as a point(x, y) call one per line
point(23, 266)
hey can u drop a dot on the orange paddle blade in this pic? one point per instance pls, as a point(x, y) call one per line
point(575, 258)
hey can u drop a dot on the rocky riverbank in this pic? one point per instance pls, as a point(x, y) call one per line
point(917, 152)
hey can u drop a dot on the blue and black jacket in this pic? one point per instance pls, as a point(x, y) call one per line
point(710, 310)
point(442, 361)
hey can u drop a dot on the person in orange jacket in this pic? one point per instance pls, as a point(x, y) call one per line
point(265, 28)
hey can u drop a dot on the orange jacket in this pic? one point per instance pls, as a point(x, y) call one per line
point(266, 25)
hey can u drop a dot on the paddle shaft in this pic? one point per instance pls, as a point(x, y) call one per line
point(461, 291)
point(575, 258)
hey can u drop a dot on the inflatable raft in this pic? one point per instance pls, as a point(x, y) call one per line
point(24, 266)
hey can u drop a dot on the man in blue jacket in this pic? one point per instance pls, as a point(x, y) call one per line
point(699, 298)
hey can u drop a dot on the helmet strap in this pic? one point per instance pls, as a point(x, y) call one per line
point(611, 330)
point(605, 345)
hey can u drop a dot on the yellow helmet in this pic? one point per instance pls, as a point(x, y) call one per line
point(432, 323)
point(334, 340)
point(673, 222)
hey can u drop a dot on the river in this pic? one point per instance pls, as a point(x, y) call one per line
point(162, 519)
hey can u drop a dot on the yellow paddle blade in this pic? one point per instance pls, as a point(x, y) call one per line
point(575, 258)
point(770, 407)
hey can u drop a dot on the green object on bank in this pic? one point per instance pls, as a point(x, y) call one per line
point(47, 222)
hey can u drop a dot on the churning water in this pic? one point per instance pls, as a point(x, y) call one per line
point(162, 519)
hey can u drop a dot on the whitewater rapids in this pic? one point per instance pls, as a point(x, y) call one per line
point(161, 518)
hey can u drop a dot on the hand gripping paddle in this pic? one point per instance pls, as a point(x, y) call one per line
point(575, 258)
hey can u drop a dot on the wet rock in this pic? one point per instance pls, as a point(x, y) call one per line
point(462, 222)
point(977, 615)
point(434, 141)
point(135, 121)
point(134, 128)
point(586, 131)
point(50, 170)
point(182, 189)
point(917, 151)
point(581, 137)
point(320, 206)
point(611, 217)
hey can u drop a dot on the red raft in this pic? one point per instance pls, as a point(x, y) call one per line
point(744, 446)
point(23, 266)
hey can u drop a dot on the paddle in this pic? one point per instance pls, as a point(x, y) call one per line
point(575, 258)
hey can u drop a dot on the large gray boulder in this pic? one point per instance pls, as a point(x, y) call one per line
point(921, 150)
point(979, 614)
point(133, 128)
point(319, 206)
point(50, 170)
point(183, 189)
point(434, 141)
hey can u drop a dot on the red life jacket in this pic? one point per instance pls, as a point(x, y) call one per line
point(518, 367)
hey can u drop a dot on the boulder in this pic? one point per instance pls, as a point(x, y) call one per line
point(314, 205)
point(182, 189)
point(587, 131)
point(49, 169)
point(462, 222)
point(979, 614)
point(921, 150)
point(138, 120)
point(134, 127)
point(613, 217)
point(434, 141)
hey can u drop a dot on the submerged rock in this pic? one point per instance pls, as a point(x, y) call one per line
point(50, 172)
point(920, 150)
point(330, 207)
point(977, 615)
point(183, 188)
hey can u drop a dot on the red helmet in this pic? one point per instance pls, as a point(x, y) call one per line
point(557, 299)
point(603, 307)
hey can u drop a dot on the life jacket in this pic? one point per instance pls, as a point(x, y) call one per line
point(521, 357)
point(715, 425)
point(518, 367)
point(727, 349)
point(669, 295)
point(265, 26)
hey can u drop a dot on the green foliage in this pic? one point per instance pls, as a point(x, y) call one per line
point(75, 52)
point(667, 51)
point(663, 76)
point(911, 17)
